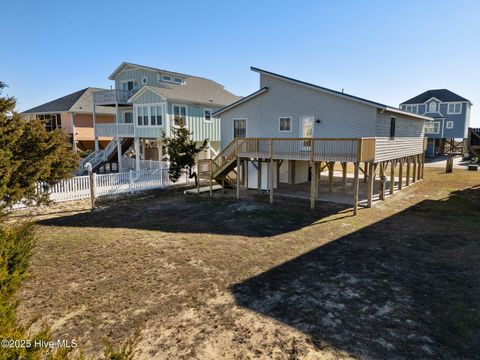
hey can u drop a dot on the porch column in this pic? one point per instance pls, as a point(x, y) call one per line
point(119, 154)
point(331, 165)
point(355, 188)
point(94, 118)
point(414, 177)
point(270, 179)
point(382, 181)
point(344, 174)
point(137, 154)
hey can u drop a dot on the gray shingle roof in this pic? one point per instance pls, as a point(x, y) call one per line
point(80, 101)
point(197, 90)
point(443, 95)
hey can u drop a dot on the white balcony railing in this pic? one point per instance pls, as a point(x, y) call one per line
point(110, 97)
point(115, 130)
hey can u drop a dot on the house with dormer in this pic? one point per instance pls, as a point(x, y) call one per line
point(450, 113)
point(149, 102)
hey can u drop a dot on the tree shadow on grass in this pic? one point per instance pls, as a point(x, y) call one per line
point(405, 287)
point(176, 213)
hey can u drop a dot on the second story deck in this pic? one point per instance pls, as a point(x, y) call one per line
point(112, 97)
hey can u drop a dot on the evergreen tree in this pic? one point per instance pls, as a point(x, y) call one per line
point(182, 151)
point(29, 153)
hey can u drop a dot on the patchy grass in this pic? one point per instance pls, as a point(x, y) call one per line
point(216, 278)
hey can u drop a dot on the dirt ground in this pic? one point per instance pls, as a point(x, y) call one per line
point(220, 279)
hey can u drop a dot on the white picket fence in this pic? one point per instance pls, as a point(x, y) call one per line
point(78, 187)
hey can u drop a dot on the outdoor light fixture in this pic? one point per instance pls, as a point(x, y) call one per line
point(318, 121)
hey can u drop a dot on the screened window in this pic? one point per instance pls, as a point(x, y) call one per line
point(285, 124)
point(178, 80)
point(51, 121)
point(392, 128)
point(454, 108)
point(449, 125)
point(167, 78)
point(179, 115)
point(432, 127)
point(239, 128)
point(207, 115)
point(432, 107)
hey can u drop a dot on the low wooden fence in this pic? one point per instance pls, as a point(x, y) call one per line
point(78, 187)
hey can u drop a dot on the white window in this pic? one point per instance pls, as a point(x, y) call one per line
point(449, 125)
point(432, 127)
point(178, 80)
point(454, 108)
point(239, 128)
point(167, 78)
point(149, 115)
point(285, 123)
point(432, 107)
point(156, 115)
point(144, 80)
point(412, 108)
point(207, 113)
point(179, 115)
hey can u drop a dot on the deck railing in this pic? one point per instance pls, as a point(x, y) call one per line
point(115, 129)
point(315, 149)
point(109, 97)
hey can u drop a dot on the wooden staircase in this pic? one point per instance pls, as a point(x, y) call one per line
point(222, 167)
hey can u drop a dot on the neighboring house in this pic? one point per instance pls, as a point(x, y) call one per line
point(276, 122)
point(450, 113)
point(148, 103)
point(73, 114)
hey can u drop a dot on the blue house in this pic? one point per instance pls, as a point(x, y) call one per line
point(450, 113)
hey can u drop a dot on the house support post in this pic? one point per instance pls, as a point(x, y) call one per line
point(344, 174)
point(365, 172)
point(392, 175)
point(238, 178)
point(407, 177)
point(423, 163)
point(382, 181)
point(419, 171)
point(331, 164)
point(313, 186)
point(414, 177)
point(355, 187)
point(371, 178)
point(94, 118)
point(400, 173)
point(245, 164)
point(259, 176)
point(137, 153)
point(270, 172)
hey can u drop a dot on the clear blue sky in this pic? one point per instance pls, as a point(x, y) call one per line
point(387, 51)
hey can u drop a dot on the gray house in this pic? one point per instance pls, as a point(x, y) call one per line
point(450, 113)
point(289, 130)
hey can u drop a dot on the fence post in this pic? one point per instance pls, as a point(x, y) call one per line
point(130, 181)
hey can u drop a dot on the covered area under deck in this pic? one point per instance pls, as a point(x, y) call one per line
point(338, 170)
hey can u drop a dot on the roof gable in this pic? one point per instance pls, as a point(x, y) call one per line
point(442, 95)
point(80, 101)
